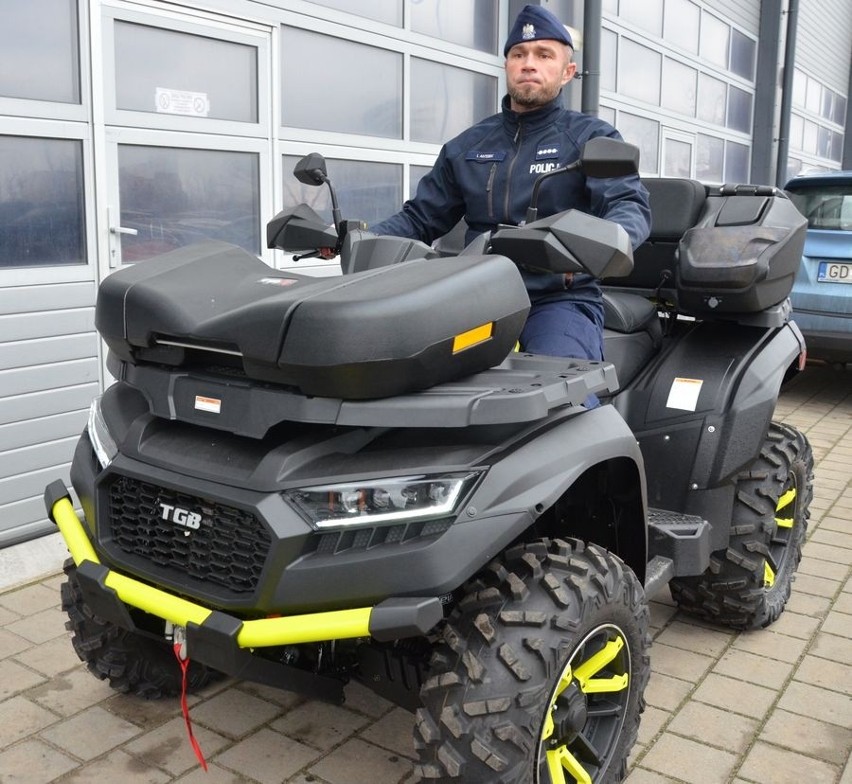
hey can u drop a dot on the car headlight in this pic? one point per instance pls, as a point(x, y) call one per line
point(102, 441)
point(398, 499)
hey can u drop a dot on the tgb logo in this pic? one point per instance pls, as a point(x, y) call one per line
point(180, 516)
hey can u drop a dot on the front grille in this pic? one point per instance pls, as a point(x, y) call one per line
point(204, 540)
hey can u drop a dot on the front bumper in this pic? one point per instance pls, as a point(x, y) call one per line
point(218, 639)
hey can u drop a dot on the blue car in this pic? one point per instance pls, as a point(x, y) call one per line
point(822, 294)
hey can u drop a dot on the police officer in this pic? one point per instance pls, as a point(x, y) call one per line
point(486, 175)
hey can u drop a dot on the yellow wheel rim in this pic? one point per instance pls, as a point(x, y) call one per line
point(785, 521)
point(586, 710)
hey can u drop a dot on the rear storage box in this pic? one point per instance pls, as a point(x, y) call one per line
point(742, 255)
point(372, 334)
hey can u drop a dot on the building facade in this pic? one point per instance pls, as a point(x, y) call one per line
point(129, 128)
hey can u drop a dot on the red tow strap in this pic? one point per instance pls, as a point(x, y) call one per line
point(184, 666)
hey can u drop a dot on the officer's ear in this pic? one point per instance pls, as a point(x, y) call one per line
point(570, 70)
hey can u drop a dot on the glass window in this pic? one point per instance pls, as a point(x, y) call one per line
point(827, 110)
point(387, 11)
point(607, 114)
point(825, 206)
point(680, 24)
point(824, 142)
point(42, 209)
point(366, 190)
point(39, 54)
point(171, 72)
point(811, 135)
point(800, 87)
point(840, 109)
point(471, 23)
point(446, 100)
point(678, 159)
point(415, 174)
point(645, 134)
point(175, 197)
point(813, 98)
point(739, 109)
point(679, 86)
point(609, 61)
point(324, 96)
point(712, 99)
point(648, 15)
point(743, 52)
point(710, 159)
point(714, 40)
point(797, 132)
point(639, 72)
point(736, 162)
point(836, 151)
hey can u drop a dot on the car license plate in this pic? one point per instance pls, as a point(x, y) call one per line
point(834, 272)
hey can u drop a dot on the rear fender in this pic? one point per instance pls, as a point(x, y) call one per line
point(695, 446)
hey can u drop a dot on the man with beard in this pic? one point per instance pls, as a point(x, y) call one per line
point(486, 175)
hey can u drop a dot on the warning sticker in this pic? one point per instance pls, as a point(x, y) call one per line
point(684, 394)
point(211, 404)
point(184, 102)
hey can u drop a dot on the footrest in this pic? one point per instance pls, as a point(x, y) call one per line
point(683, 539)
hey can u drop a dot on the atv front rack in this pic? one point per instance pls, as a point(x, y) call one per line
point(523, 388)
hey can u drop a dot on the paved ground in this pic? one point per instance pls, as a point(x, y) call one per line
point(769, 707)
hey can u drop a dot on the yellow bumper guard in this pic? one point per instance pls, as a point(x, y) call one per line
point(290, 630)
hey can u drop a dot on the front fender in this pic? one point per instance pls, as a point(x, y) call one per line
point(535, 475)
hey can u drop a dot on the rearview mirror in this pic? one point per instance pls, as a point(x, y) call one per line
point(600, 157)
point(604, 157)
point(311, 170)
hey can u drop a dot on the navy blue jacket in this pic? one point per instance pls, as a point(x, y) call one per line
point(486, 175)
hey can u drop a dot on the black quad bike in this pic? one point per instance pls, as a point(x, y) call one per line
point(301, 481)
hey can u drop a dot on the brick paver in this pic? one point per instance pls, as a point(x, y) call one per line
point(766, 707)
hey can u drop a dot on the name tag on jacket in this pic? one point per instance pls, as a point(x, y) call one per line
point(485, 157)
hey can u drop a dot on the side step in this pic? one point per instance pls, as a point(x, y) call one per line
point(678, 546)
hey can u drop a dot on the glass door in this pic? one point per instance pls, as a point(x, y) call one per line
point(185, 135)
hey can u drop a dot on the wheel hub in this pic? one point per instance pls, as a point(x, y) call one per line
point(571, 712)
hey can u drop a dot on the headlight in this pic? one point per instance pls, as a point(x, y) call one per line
point(99, 435)
point(399, 499)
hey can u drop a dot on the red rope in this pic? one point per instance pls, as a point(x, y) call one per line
point(184, 666)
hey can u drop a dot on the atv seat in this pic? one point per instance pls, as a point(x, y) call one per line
point(632, 332)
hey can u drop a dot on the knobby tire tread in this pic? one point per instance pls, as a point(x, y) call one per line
point(503, 647)
point(130, 662)
point(731, 592)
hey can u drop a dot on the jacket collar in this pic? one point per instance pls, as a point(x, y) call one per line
point(537, 118)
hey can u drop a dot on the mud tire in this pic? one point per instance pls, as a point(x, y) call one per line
point(131, 662)
point(734, 591)
point(501, 663)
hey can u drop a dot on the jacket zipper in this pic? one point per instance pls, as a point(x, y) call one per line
point(516, 141)
point(489, 189)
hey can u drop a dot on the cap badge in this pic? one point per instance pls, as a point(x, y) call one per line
point(528, 32)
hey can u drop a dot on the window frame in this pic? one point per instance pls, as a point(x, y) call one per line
point(58, 273)
point(256, 37)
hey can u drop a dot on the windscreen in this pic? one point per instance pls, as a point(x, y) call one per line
point(825, 206)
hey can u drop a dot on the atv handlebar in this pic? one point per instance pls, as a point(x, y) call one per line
point(569, 241)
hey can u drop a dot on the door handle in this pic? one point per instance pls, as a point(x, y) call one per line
point(123, 230)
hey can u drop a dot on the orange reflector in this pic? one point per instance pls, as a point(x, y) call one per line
point(473, 337)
